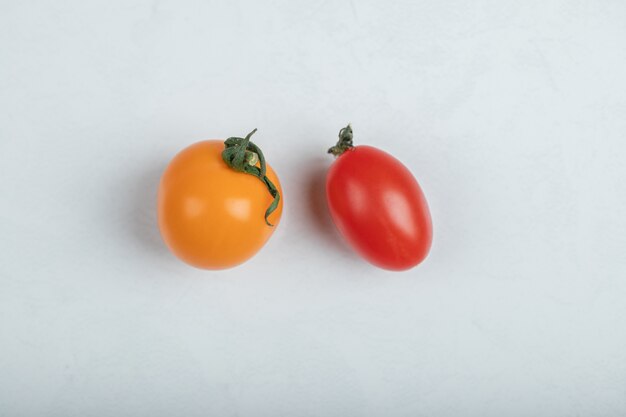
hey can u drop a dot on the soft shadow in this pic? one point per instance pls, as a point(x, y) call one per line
point(142, 219)
point(318, 208)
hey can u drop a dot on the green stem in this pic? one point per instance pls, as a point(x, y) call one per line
point(242, 155)
point(344, 143)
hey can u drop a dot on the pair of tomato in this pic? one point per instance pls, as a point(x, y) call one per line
point(219, 203)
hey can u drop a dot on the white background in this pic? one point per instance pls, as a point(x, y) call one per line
point(511, 114)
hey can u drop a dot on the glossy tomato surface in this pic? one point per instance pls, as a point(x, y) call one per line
point(379, 208)
point(211, 216)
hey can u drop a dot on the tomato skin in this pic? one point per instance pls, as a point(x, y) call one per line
point(209, 215)
point(379, 208)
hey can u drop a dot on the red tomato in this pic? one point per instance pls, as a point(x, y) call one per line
point(378, 206)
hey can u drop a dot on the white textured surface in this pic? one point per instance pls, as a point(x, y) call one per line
point(512, 115)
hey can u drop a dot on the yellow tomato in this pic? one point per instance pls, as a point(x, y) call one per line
point(210, 215)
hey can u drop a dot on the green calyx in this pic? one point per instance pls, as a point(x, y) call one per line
point(242, 155)
point(344, 143)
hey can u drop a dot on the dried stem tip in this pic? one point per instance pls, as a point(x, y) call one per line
point(344, 143)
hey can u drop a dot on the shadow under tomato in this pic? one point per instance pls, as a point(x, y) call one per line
point(318, 209)
point(142, 221)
